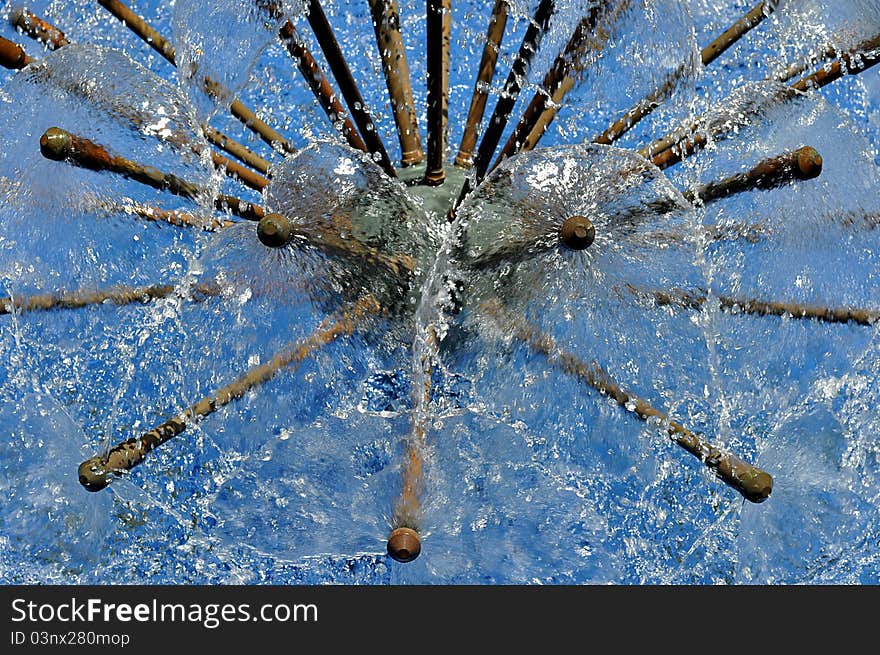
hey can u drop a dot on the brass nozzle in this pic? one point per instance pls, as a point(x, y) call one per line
point(404, 545)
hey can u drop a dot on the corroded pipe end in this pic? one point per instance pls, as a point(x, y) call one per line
point(93, 474)
point(435, 177)
point(274, 231)
point(411, 158)
point(809, 163)
point(16, 16)
point(12, 55)
point(754, 484)
point(56, 144)
point(404, 544)
point(578, 232)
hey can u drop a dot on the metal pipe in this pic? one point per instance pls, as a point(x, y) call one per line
point(141, 28)
point(12, 55)
point(237, 150)
point(640, 110)
point(805, 163)
point(557, 83)
point(735, 32)
point(801, 164)
point(276, 231)
point(593, 43)
point(119, 295)
point(238, 172)
point(38, 29)
point(684, 141)
point(798, 69)
point(504, 106)
point(578, 232)
point(753, 306)
point(863, 57)
point(519, 69)
point(60, 145)
point(708, 54)
point(404, 543)
point(386, 23)
point(43, 31)
point(170, 216)
point(320, 86)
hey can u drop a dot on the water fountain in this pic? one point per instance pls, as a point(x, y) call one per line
point(283, 342)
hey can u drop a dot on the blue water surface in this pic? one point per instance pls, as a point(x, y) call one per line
point(531, 475)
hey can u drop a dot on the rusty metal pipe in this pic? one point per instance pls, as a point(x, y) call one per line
point(439, 15)
point(802, 164)
point(237, 150)
point(238, 172)
point(404, 543)
point(38, 29)
point(504, 106)
point(12, 55)
point(735, 32)
point(864, 56)
point(118, 295)
point(708, 54)
point(557, 82)
point(320, 86)
point(685, 141)
point(60, 145)
point(753, 306)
